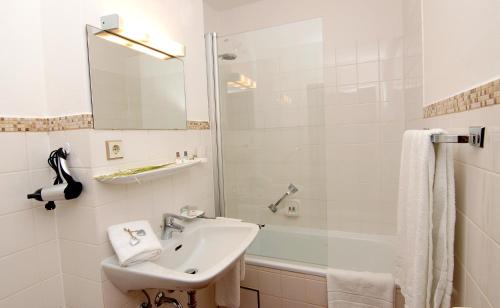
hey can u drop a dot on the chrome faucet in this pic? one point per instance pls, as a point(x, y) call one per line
point(169, 225)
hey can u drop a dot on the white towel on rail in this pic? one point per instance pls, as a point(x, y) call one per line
point(352, 289)
point(426, 221)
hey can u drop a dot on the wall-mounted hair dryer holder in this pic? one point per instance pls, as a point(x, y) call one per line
point(65, 186)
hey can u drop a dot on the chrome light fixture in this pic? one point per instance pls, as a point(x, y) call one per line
point(113, 31)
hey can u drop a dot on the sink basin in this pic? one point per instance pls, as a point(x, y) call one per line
point(190, 260)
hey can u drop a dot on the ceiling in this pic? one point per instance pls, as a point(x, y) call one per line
point(227, 4)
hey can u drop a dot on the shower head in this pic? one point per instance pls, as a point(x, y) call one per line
point(291, 190)
point(228, 56)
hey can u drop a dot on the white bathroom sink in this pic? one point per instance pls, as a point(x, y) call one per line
point(208, 247)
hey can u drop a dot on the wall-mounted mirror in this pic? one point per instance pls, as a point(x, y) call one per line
point(134, 90)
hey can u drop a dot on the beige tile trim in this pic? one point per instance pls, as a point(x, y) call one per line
point(483, 96)
point(78, 121)
point(198, 125)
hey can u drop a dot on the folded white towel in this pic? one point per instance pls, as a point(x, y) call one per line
point(227, 289)
point(352, 289)
point(426, 221)
point(147, 249)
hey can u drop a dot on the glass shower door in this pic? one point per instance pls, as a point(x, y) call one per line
point(271, 135)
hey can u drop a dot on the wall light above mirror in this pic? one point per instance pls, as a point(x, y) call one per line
point(114, 31)
point(133, 85)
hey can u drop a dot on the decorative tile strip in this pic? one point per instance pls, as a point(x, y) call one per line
point(10, 124)
point(23, 124)
point(483, 96)
point(198, 125)
point(78, 121)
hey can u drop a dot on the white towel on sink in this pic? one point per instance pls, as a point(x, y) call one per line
point(227, 289)
point(149, 247)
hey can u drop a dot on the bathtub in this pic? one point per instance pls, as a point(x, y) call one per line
point(311, 251)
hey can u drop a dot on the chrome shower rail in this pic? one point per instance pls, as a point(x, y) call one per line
point(475, 137)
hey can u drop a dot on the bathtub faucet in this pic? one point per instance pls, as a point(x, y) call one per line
point(291, 190)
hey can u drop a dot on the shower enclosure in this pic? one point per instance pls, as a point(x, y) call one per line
point(297, 117)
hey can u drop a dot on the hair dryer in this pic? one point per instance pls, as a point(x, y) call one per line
point(64, 188)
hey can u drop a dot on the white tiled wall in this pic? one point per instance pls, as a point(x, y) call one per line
point(364, 119)
point(477, 175)
point(29, 255)
point(56, 255)
point(328, 118)
point(82, 223)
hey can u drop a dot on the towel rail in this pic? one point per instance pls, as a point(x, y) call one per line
point(475, 137)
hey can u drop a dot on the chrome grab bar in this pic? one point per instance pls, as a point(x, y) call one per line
point(291, 190)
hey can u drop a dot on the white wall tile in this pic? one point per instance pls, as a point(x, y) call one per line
point(114, 298)
point(473, 296)
point(45, 224)
point(493, 206)
point(13, 188)
point(29, 297)
point(49, 263)
point(493, 272)
point(13, 152)
point(82, 260)
point(52, 293)
point(82, 293)
point(368, 51)
point(80, 155)
point(345, 55)
point(37, 148)
point(107, 215)
point(77, 223)
point(21, 270)
point(346, 74)
point(368, 72)
point(21, 224)
point(476, 254)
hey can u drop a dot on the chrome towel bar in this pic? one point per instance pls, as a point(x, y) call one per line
point(475, 137)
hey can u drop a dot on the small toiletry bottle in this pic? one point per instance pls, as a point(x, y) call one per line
point(178, 159)
point(185, 158)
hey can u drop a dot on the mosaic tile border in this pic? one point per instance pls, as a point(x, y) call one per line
point(198, 125)
point(483, 96)
point(78, 121)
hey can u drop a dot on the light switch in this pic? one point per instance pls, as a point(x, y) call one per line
point(114, 149)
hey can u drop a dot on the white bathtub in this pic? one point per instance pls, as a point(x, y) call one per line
point(311, 251)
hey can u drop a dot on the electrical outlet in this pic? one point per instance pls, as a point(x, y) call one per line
point(292, 208)
point(114, 149)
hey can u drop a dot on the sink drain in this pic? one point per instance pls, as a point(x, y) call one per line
point(191, 271)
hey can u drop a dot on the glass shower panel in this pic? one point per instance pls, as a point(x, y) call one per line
point(272, 134)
